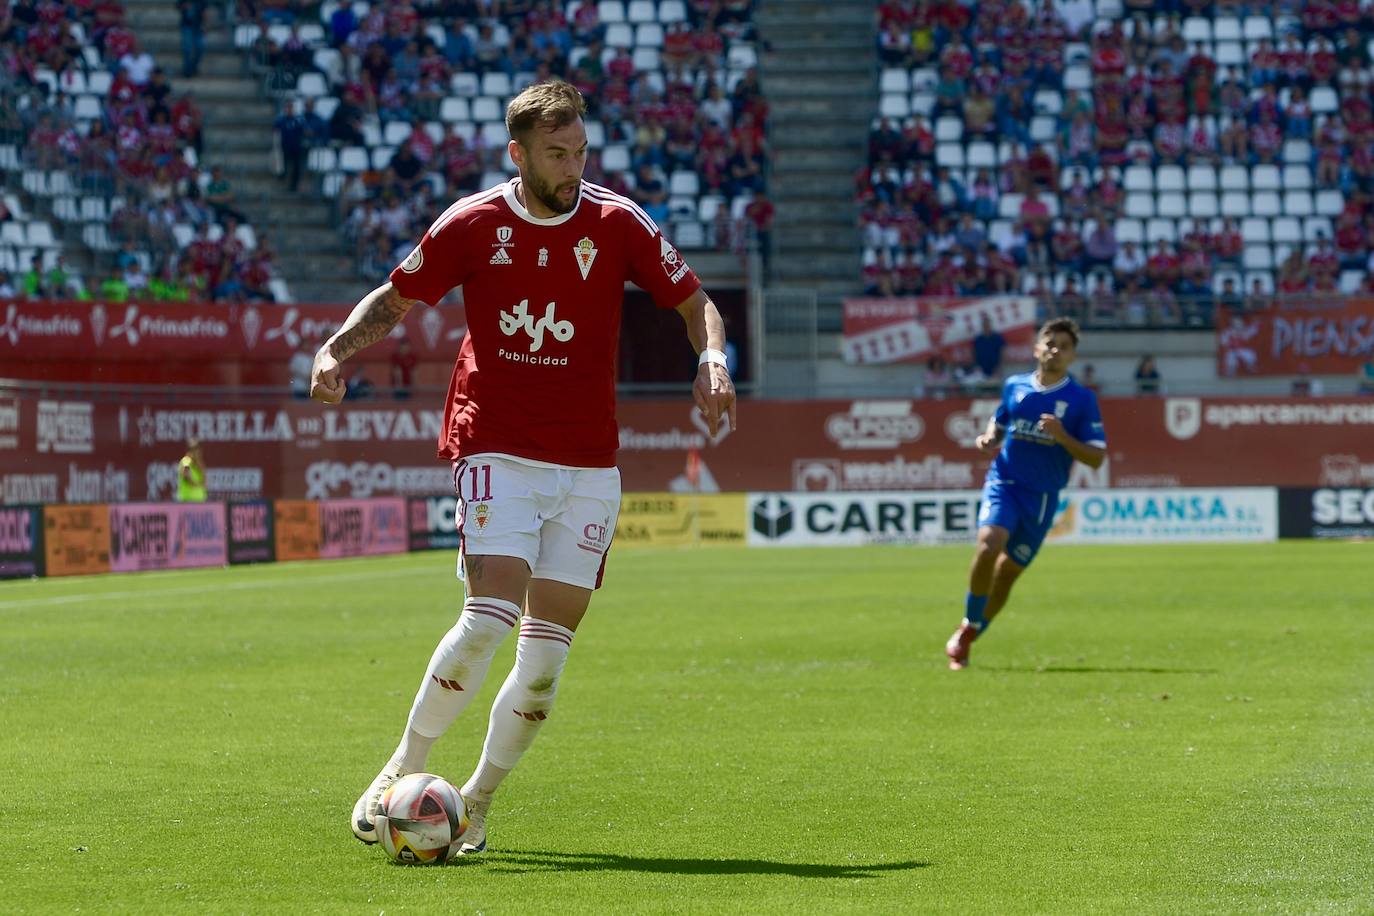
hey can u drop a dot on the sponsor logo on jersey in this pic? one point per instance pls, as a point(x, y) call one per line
point(673, 265)
point(520, 318)
point(585, 252)
point(500, 257)
point(413, 261)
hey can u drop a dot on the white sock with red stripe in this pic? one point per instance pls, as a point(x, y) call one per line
point(455, 674)
point(523, 703)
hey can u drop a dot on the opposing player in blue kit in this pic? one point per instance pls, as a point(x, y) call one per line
point(1045, 422)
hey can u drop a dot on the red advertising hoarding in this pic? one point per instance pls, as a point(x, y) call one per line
point(1333, 338)
point(71, 451)
point(914, 329)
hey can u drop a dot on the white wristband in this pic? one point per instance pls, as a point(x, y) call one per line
point(712, 356)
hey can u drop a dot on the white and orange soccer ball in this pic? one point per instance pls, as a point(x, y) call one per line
point(421, 819)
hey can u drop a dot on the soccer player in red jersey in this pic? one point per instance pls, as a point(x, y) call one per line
point(529, 423)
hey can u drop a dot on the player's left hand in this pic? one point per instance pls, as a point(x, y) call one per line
point(714, 393)
point(1052, 426)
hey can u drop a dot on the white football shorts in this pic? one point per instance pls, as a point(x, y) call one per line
point(559, 520)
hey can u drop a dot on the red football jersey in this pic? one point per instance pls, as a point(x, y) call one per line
point(535, 374)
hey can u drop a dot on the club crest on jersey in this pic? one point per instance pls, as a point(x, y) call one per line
point(503, 234)
point(543, 257)
point(673, 265)
point(1060, 408)
point(585, 252)
point(481, 515)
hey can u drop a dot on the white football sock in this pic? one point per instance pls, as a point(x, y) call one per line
point(522, 704)
point(455, 674)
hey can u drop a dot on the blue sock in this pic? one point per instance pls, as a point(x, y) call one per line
point(973, 611)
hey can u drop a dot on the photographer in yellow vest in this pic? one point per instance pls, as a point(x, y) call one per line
point(191, 474)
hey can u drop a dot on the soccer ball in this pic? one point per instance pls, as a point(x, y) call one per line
point(421, 820)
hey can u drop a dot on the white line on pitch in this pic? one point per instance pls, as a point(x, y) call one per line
point(159, 592)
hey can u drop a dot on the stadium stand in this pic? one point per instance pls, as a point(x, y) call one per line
point(93, 133)
point(1130, 164)
point(396, 110)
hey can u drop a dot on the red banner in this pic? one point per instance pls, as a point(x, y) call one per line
point(1332, 339)
point(79, 451)
point(914, 329)
point(175, 343)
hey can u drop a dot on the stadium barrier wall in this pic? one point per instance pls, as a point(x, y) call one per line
point(66, 540)
point(67, 450)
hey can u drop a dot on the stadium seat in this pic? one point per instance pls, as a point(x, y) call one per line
point(465, 84)
point(1161, 230)
point(1265, 203)
point(893, 105)
point(1298, 152)
point(1324, 100)
point(1257, 28)
point(641, 11)
point(1202, 205)
point(1298, 203)
point(620, 35)
point(1130, 230)
point(1255, 231)
point(670, 11)
point(12, 233)
point(1235, 204)
point(485, 108)
point(684, 183)
point(615, 158)
point(1229, 54)
point(1257, 257)
point(1140, 205)
point(1202, 178)
point(609, 11)
point(949, 129)
point(650, 35)
point(894, 79)
point(1286, 231)
point(354, 159)
point(1315, 226)
point(1138, 178)
point(311, 85)
point(1297, 178)
point(322, 159)
point(1235, 178)
point(1266, 178)
point(1330, 203)
point(1172, 205)
point(395, 133)
point(1226, 28)
point(949, 155)
point(1351, 281)
point(453, 109)
point(980, 155)
point(1197, 29)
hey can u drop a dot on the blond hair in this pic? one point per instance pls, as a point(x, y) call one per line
point(548, 105)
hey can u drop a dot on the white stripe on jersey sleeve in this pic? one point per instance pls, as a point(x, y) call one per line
point(602, 196)
point(463, 204)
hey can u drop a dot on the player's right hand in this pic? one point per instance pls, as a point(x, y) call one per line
point(325, 384)
point(988, 445)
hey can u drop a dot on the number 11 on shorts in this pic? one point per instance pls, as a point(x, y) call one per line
point(481, 476)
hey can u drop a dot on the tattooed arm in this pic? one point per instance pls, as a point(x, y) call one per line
point(371, 320)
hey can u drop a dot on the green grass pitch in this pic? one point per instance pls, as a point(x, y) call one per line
point(1145, 730)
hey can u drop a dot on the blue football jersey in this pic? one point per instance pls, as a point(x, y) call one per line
point(1029, 457)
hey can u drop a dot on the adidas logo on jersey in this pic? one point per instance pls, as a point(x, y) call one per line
point(500, 257)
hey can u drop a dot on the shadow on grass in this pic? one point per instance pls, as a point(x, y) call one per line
point(527, 860)
point(1089, 669)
